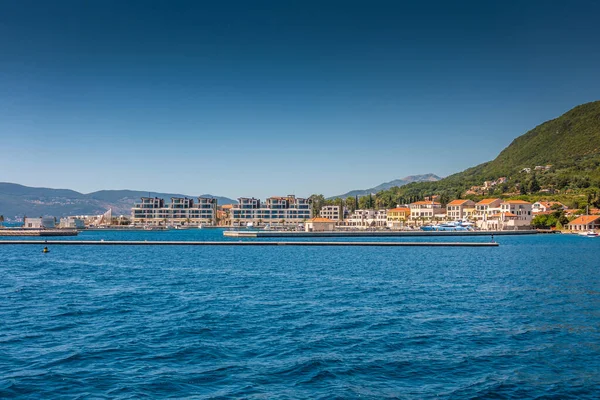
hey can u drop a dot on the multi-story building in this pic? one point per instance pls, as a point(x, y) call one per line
point(181, 211)
point(487, 207)
point(397, 217)
point(275, 210)
point(459, 209)
point(425, 210)
point(367, 218)
point(335, 213)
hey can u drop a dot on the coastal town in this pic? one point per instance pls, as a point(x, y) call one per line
point(291, 213)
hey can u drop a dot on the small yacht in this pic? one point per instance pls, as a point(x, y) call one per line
point(589, 234)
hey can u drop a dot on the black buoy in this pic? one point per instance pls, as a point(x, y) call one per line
point(45, 250)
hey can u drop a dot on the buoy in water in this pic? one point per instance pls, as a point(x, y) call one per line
point(45, 250)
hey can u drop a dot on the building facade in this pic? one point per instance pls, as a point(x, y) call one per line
point(397, 217)
point(425, 210)
point(486, 208)
point(335, 213)
point(181, 211)
point(459, 209)
point(585, 223)
point(275, 210)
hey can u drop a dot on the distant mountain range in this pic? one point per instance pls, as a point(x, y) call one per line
point(18, 200)
point(388, 185)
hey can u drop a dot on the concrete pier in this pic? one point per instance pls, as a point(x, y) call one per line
point(240, 243)
point(38, 232)
point(278, 234)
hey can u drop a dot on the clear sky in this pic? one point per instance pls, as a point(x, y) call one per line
point(260, 98)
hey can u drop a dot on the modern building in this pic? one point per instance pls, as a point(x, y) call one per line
point(275, 210)
point(181, 211)
point(585, 223)
point(367, 218)
point(39, 223)
point(425, 210)
point(335, 213)
point(397, 217)
point(71, 223)
point(459, 209)
point(319, 224)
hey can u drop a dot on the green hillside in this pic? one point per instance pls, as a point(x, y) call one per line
point(570, 143)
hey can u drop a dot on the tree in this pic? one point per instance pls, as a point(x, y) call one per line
point(534, 185)
point(317, 202)
point(351, 204)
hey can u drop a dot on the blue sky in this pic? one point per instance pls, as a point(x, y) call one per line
point(268, 98)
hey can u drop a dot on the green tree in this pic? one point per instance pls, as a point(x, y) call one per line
point(534, 185)
point(317, 202)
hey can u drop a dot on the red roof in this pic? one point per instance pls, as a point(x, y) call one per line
point(487, 201)
point(426, 203)
point(457, 202)
point(585, 220)
point(517, 202)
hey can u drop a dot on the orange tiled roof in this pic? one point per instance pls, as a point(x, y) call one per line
point(506, 214)
point(457, 202)
point(584, 220)
point(227, 206)
point(320, 219)
point(425, 203)
point(517, 202)
point(487, 201)
point(399, 209)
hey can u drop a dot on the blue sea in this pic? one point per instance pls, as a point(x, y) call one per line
point(521, 320)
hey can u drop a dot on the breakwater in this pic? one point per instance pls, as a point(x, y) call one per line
point(274, 234)
point(241, 243)
point(38, 232)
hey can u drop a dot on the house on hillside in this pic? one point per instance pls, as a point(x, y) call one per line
point(544, 206)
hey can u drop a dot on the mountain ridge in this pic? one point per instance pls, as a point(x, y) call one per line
point(17, 200)
point(388, 185)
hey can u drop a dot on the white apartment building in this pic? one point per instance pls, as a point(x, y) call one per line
point(275, 210)
point(181, 211)
point(513, 215)
point(39, 223)
point(367, 218)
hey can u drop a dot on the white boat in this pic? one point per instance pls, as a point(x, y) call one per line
point(589, 234)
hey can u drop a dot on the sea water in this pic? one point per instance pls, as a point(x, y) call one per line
point(520, 320)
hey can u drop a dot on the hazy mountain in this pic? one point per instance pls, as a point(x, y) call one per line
point(18, 200)
point(384, 186)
